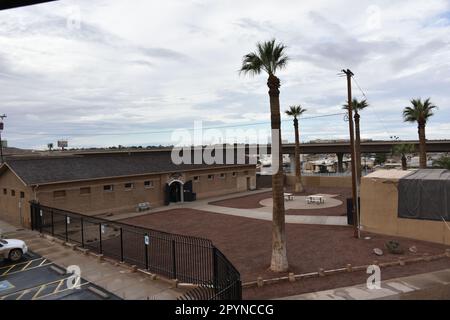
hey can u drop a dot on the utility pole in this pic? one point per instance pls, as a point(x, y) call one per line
point(1, 142)
point(355, 206)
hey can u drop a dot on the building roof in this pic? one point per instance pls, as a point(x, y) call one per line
point(48, 170)
point(393, 174)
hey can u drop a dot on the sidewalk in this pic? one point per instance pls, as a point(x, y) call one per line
point(115, 278)
point(432, 285)
point(264, 213)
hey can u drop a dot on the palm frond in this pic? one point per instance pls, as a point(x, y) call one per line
point(269, 56)
point(419, 112)
point(295, 111)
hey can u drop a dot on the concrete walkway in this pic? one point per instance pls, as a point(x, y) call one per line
point(432, 285)
point(115, 278)
point(264, 213)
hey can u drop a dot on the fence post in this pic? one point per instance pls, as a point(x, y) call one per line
point(121, 245)
point(53, 224)
point(40, 218)
point(67, 236)
point(100, 237)
point(174, 262)
point(146, 251)
point(33, 218)
point(215, 271)
point(82, 232)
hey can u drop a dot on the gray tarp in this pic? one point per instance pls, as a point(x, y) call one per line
point(425, 194)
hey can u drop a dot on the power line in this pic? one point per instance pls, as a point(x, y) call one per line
point(168, 130)
point(372, 109)
point(359, 87)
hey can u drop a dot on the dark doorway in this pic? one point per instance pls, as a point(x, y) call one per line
point(175, 191)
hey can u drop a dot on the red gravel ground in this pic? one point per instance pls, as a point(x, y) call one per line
point(247, 243)
point(252, 202)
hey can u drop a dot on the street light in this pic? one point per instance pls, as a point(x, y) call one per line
point(1, 142)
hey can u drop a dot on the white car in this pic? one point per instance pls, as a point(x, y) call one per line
point(12, 249)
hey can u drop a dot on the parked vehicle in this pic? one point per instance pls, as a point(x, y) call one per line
point(12, 249)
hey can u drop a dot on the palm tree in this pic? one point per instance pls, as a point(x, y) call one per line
point(403, 150)
point(357, 106)
point(443, 162)
point(270, 57)
point(420, 112)
point(296, 112)
point(50, 146)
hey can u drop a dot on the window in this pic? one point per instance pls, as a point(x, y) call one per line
point(210, 177)
point(13, 193)
point(108, 188)
point(148, 184)
point(22, 194)
point(234, 174)
point(85, 190)
point(223, 176)
point(59, 193)
point(5, 191)
point(129, 186)
point(196, 178)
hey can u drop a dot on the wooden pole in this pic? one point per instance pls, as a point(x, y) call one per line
point(352, 152)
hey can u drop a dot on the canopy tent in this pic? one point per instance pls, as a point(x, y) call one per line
point(425, 194)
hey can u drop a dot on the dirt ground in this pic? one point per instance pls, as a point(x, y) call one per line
point(252, 201)
point(247, 243)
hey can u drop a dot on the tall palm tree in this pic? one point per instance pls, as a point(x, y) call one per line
point(403, 150)
point(296, 112)
point(420, 112)
point(270, 57)
point(357, 106)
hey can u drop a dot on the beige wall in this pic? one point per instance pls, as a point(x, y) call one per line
point(14, 209)
point(205, 188)
point(322, 181)
point(379, 205)
point(99, 201)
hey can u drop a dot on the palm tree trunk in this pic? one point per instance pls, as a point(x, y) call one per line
point(357, 147)
point(279, 261)
point(422, 147)
point(404, 165)
point(298, 177)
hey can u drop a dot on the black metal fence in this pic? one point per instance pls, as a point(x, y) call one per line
point(187, 259)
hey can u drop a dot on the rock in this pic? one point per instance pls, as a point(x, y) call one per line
point(367, 238)
point(393, 247)
point(378, 251)
point(413, 249)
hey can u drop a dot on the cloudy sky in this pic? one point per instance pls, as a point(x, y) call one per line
point(102, 73)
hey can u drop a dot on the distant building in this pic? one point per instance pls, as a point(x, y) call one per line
point(96, 184)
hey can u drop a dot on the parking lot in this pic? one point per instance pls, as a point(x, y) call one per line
point(37, 278)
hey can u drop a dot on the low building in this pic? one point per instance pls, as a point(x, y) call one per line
point(413, 204)
point(96, 184)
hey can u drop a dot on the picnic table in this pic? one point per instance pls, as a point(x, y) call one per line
point(288, 196)
point(315, 199)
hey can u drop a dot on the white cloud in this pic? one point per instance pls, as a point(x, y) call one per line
point(159, 65)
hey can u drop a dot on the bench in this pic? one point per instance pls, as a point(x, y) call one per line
point(143, 206)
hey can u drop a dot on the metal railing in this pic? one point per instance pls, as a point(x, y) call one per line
point(185, 258)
